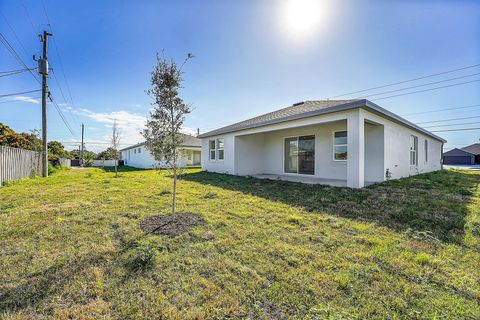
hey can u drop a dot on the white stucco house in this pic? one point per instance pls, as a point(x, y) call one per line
point(138, 155)
point(338, 142)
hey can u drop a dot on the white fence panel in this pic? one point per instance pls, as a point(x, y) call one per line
point(19, 163)
point(103, 163)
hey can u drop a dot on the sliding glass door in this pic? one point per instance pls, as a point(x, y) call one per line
point(299, 155)
point(291, 155)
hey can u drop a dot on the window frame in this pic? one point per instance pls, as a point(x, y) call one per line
point(283, 155)
point(218, 149)
point(214, 150)
point(339, 145)
point(413, 139)
point(425, 149)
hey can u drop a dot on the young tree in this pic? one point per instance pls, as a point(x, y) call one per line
point(162, 133)
point(115, 143)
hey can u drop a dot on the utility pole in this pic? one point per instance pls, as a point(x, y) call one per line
point(43, 70)
point(81, 151)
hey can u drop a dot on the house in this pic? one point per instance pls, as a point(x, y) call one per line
point(338, 142)
point(138, 155)
point(466, 155)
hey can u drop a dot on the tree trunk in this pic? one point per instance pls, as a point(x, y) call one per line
point(116, 171)
point(174, 202)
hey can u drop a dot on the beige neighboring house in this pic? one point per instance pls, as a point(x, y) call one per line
point(138, 155)
point(337, 142)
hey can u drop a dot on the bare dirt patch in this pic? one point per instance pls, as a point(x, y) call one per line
point(171, 225)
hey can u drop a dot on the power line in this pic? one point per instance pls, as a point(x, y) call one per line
point(18, 93)
point(12, 73)
point(452, 124)
point(58, 55)
point(446, 109)
point(14, 33)
point(62, 116)
point(14, 53)
point(28, 17)
point(451, 119)
point(405, 81)
point(459, 129)
point(430, 89)
point(63, 96)
point(421, 85)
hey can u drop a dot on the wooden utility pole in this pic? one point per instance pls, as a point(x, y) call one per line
point(43, 70)
point(81, 151)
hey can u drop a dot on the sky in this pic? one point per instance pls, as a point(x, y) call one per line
point(250, 57)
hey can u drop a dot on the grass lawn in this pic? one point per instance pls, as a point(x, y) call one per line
point(71, 247)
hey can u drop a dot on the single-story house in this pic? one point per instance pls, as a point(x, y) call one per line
point(139, 156)
point(475, 149)
point(458, 156)
point(466, 155)
point(338, 142)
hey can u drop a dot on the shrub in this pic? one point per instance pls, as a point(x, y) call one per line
point(142, 256)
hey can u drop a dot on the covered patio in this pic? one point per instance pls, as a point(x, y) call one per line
point(341, 152)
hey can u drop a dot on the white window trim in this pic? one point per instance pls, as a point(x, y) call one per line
point(338, 145)
point(218, 149)
point(412, 137)
point(425, 147)
point(210, 150)
point(283, 156)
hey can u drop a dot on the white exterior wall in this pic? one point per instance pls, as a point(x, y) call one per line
point(383, 143)
point(145, 160)
point(397, 149)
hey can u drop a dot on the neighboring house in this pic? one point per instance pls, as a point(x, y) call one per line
point(466, 155)
point(138, 155)
point(338, 142)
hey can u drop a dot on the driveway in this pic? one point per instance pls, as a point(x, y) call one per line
point(469, 167)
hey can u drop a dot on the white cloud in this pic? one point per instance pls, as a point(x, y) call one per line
point(129, 124)
point(27, 99)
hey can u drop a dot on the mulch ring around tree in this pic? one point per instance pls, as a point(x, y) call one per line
point(171, 225)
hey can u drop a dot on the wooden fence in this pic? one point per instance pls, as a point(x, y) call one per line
point(19, 163)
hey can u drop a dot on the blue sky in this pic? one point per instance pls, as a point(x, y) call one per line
point(251, 57)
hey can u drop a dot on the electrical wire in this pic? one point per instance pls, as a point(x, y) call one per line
point(452, 124)
point(18, 93)
point(12, 73)
point(439, 110)
point(405, 81)
point(421, 85)
point(459, 129)
point(451, 119)
point(28, 17)
point(58, 54)
point(14, 53)
point(430, 89)
point(62, 116)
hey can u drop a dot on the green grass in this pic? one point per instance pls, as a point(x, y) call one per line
point(71, 247)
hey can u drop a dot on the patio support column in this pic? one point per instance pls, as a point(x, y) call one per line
point(356, 149)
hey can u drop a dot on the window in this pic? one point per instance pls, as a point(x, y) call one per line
point(340, 146)
point(426, 150)
point(299, 155)
point(134, 150)
point(139, 150)
point(220, 149)
point(413, 150)
point(211, 146)
point(189, 155)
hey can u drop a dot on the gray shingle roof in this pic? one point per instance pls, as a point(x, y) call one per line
point(473, 148)
point(313, 108)
point(188, 141)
